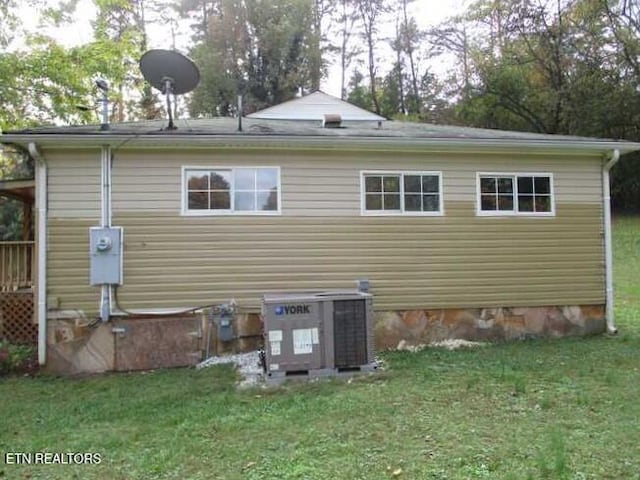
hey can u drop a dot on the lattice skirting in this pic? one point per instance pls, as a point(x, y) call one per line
point(17, 322)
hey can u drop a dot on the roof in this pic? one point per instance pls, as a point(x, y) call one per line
point(201, 133)
point(314, 107)
point(18, 189)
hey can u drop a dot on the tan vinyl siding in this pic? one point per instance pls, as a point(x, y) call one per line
point(313, 185)
point(74, 183)
point(321, 241)
point(456, 261)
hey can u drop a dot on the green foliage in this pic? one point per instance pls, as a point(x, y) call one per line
point(261, 49)
point(557, 67)
point(16, 358)
point(14, 165)
point(359, 94)
point(10, 220)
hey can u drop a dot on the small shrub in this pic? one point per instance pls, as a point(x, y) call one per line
point(16, 358)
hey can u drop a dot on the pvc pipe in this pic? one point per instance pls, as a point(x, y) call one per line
point(608, 246)
point(41, 236)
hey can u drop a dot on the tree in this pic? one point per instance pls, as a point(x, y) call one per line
point(120, 30)
point(410, 37)
point(394, 87)
point(262, 49)
point(359, 94)
point(370, 16)
point(322, 12)
point(348, 16)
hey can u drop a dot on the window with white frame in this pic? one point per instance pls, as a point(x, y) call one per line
point(402, 193)
point(527, 194)
point(212, 191)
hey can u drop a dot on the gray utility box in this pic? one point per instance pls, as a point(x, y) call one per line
point(313, 332)
point(105, 253)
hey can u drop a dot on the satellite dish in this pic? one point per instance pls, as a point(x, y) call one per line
point(170, 72)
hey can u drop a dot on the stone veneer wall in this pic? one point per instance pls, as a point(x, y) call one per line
point(416, 327)
point(76, 346)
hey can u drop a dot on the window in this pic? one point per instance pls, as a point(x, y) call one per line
point(406, 193)
point(218, 191)
point(515, 194)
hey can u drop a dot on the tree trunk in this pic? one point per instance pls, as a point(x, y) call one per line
point(409, 50)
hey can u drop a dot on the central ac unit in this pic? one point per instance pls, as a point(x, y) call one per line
point(318, 333)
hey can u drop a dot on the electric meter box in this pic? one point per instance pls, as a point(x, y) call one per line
point(105, 254)
point(321, 332)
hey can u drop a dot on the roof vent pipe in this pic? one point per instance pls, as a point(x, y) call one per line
point(332, 120)
point(103, 85)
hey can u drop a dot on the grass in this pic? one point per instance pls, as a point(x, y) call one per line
point(559, 409)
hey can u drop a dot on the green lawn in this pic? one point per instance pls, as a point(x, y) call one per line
point(562, 409)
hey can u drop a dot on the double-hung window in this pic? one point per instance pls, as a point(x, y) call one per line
point(237, 190)
point(515, 194)
point(402, 193)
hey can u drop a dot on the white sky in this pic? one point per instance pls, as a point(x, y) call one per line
point(426, 12)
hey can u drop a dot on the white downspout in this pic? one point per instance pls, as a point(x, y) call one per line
point(41, 244)
point(608, 246)
point(106, 291)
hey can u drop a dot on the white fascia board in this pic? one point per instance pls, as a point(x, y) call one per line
point(325, 142)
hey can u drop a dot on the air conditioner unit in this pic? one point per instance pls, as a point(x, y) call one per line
point(318, 334)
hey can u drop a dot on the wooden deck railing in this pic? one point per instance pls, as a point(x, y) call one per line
point(16, 265)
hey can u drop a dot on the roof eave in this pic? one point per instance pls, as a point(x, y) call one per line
point(325, 142)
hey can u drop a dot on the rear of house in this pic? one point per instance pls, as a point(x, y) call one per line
point(460, 236)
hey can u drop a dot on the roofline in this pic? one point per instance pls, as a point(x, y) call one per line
point(259, 115)
point(370, 143)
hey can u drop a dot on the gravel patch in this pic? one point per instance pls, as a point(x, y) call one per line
point(248, 365)
point(453, 344)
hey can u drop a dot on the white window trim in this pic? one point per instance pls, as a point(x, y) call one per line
point(402, 173)
point(220, 213)
point(514, 212)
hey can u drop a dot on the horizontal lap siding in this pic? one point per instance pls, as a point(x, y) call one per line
point(313, 185)
point(322, 242)
point(411, 262)
point(73, 186)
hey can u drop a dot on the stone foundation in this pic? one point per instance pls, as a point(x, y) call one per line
point(416, 327)
point(76, 346)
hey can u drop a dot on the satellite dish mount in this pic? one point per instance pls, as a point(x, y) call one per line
point(171, 73)
point(168, 90)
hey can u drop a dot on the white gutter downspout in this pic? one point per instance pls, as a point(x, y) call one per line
point(41, 233)
point(608, 247)
point(106, 291)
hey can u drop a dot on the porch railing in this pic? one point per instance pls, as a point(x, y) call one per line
point(16, 265)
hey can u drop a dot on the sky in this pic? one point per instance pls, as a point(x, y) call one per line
point(426, 13)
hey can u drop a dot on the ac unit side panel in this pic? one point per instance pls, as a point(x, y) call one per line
point(293, 336)
point(371, 340)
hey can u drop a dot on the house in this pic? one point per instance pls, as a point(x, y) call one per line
point(459, 232)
